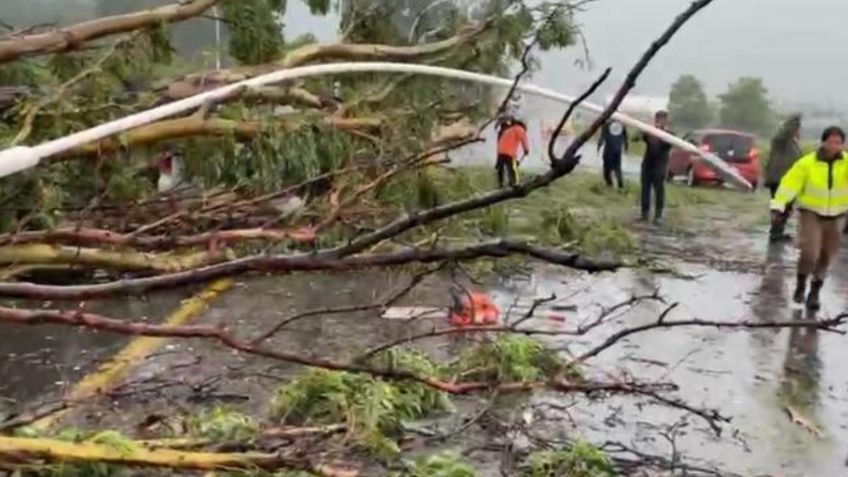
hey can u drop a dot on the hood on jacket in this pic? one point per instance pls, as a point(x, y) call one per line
point(790, 126)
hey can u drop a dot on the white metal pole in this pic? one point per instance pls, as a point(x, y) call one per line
point(24, 157)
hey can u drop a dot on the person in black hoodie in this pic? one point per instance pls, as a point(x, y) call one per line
point(614, 141)
point(654, 169)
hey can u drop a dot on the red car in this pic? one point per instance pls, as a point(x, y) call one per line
point(736, 148)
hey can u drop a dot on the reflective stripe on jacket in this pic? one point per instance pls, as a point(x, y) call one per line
point(816, 185)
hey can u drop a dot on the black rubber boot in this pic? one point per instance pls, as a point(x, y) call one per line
point(813, 302)
point(800, 289)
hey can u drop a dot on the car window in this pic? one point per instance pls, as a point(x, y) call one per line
point(730, 146)
point(691, 138)
point(730, 142)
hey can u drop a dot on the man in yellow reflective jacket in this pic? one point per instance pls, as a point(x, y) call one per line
point(818, 182)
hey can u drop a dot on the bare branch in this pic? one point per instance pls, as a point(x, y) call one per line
point(101, 323)
point(301, 263)
point(826, 325)
point(73, 36)
point(381, 305)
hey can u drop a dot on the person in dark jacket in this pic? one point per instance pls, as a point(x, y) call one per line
point(614, 141)
point(785, 151)
point(654, 169)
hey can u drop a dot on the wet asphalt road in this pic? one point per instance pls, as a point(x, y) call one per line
point(753, 377)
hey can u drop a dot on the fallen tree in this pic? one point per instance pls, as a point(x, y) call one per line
point(374, 194)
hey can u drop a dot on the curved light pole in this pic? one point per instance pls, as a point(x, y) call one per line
point(19, 158)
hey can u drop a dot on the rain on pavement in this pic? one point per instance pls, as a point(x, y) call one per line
point(755, 377)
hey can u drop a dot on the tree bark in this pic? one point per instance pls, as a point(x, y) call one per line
point(318, 53)
point(27, 451)
point(42, 254)
point(305, 262)
point(192, 126)
point(71, 37)
point(92, 237)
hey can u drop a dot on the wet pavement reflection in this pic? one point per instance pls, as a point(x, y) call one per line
point(760, 378)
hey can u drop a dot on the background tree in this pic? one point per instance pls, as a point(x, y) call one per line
point(746, 106)
point(366, 163)
point(688, 103)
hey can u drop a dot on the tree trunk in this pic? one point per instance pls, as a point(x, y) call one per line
point(73, 36)
point(25, 451)
point(191, 126)
point(42, 254)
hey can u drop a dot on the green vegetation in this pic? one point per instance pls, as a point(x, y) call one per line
point(509, 358)
point(221, 424)
point(688, 105)
point(581, 213)
point(746, 106)
point(446, 464)
point(579, 460)
point(373, 409)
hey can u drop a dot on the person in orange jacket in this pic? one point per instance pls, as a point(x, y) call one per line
point(472, 309)
point(512, 133)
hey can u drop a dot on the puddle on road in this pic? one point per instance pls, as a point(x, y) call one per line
point(751, 376)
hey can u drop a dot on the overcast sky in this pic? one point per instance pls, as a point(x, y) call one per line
point(796, 46)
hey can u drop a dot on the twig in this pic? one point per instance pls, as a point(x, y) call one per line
point(826, 325)
point(381, 305)
point(506, 329)
point(532, 311)
point(712, 416)
point(101, 323)
point(607, 312)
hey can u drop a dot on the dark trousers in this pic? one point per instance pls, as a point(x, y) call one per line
point(778, 226)
point(506, 166)
point(612, 167)
point(653, 178)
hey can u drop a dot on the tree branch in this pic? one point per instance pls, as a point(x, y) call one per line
point(88, 237)
point(19, 450)
point(381, 305)
point(71, 37)
point(191, 126)
point(826, 325)
point(97, 322)
point(302, 263)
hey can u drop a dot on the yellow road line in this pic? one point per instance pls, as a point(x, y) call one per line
point(109, 373)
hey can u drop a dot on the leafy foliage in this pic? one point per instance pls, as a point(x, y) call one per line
point(557, 31)
point(222, 425)
point(688, 103)
point(592, 237)
point(445, 464)
point(508, 358)
point(255, 29)
point(372, 408)
point(746, 106)
point(579, 460)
